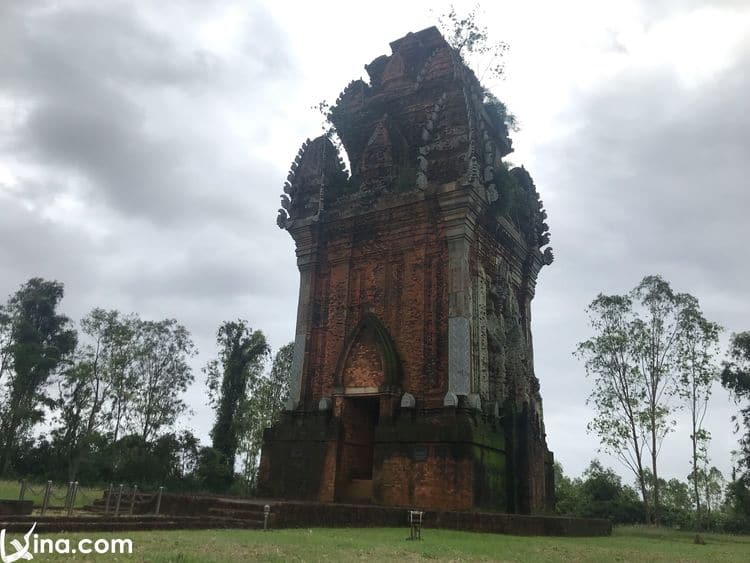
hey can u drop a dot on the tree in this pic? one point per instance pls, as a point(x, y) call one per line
point(161, 374)
point(263, 408)
point(111, 351)
point(241, 355)
point(100, 377)
point(656, 338)
point(697, 349)
point(36, 341)
point(618, 397)
point(635, 357)
point(471, 42)
point(735, 376)
point(598, 493)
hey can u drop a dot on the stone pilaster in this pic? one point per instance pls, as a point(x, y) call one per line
point(307, 260)
point(459, 205)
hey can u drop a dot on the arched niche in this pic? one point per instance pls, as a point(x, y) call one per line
point(368, 359)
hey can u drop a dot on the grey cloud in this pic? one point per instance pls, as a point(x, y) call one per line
point(99, 86)
point(652, 179)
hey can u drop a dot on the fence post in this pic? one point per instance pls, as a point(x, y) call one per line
point(109, 497)
point(23, 490)
point(119, 498)
point(67, 494)
point(73, 493)
point(132, 498)
point(158, 500)
point(45, 500)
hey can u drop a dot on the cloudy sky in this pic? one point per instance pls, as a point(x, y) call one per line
point(143, 147)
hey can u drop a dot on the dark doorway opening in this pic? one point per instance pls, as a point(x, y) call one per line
point(360, 417)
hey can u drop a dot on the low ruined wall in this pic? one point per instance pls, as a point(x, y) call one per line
point(296, 515)
point(15, 507)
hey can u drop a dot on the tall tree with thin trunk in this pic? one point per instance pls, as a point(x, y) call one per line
point(242, 352)
point(698, 347)
point(634, 356)
point(618, 396)
point(735, 376)
point(37, 341)
point(656, 334)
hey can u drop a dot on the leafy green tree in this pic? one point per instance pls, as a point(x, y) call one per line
point(656, 337)
point(713, 484)
point(94, 392)
point(697, 349)
point(618, 396)
point(111, 351)
point(263, 408)
point(36, 342)
point(242, 352)
point(636, 360)
point(735, 376)
point(598, 493)
point(472, 43)
point(161, 375)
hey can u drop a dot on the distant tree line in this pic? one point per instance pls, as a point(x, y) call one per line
point(653, 353)
point(99, 402)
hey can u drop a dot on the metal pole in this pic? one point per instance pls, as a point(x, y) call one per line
point(45, 500)
point(158, 500)
point(23, 490)
point(119, 498)
point(109, 498)
point(132, 499)
point(266, 512)
point(73, 493)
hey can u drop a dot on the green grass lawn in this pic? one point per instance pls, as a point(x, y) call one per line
point(35, 492)
point(389, 544)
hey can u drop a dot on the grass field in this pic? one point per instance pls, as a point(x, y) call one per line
point(389, 544)
point(35, 492)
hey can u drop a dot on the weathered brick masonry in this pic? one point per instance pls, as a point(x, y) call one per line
point(413, 378)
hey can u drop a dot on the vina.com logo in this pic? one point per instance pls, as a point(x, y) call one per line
point(34, 545)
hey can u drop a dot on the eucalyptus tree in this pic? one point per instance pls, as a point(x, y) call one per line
point(698, 347)
point(618, 397)
point(735, 376)
point(635, 358)
point(656, 336)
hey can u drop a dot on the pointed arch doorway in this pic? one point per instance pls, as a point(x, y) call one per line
point(367, 376)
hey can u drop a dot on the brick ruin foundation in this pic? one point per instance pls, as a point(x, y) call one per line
point(413, 377)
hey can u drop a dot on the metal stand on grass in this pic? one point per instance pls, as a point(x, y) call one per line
point(415, 524)
point(266, 514)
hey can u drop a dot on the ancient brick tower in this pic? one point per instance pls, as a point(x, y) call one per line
point(413, 376)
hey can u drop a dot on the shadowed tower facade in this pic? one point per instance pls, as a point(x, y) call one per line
point(413, 379)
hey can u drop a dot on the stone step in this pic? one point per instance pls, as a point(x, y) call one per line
point(125, 524)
